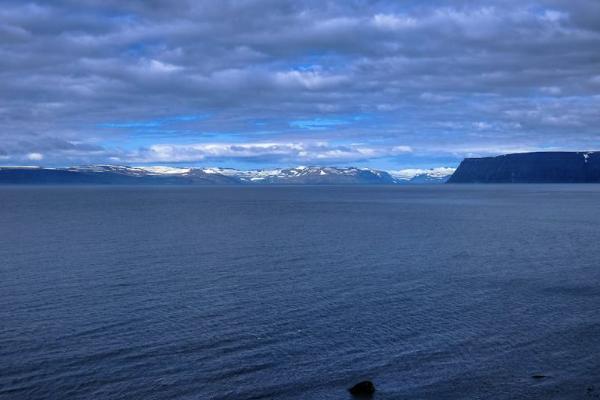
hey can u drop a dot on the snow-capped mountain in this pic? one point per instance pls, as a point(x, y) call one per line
point(422, 176)
point(112, 175)
point(164, 175)
point(313, 176)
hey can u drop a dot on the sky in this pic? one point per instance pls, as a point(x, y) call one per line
point(258, 84)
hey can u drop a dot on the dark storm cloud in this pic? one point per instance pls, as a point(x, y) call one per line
point(79, 80)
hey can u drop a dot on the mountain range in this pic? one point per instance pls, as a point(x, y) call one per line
point(125, 175)
point(536, 167)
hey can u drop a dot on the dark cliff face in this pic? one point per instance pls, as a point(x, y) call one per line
point(541, 167)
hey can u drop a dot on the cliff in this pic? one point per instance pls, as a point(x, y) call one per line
point(540, 167)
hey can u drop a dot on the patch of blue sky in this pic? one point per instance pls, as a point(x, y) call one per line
point(306, 67)
point(186, 118)
point(317, 123)
point(322, 123)
point(122, 18)
point(264, 126)
point(191, 135)
point(361, 117)
point(142, 49)
point(154, 123)
point(139, 48)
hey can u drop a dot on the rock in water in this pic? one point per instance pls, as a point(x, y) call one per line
point(363, 389)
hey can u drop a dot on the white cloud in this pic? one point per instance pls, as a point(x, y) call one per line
point(285, 152)
point(393, 21)
point(35, 156)
point(480, 125)
point(554, 16)
point(160, 67)
point(401, 149)
point(311, 80)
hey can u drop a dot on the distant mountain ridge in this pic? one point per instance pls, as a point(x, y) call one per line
point(538, 167)
point(423, 176)
point(125, 175)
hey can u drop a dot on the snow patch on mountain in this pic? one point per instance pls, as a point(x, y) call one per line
point(433, 173)
point(116, 169)
point(301, 175)
point(161, 170)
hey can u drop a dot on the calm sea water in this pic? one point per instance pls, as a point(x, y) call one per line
point(447, 292)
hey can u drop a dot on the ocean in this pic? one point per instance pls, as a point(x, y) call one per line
point(227, 293)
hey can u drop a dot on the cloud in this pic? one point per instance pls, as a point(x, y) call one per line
point(317, 152)
point(89, 80)
point(153, 123)
point(394, 22)
point(35, 156)
point(322, 123)
point(435, 98)
point(551, 90)
point(308, 80)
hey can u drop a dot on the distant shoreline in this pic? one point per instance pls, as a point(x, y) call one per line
point(158, 176)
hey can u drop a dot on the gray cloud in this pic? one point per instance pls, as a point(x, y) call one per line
point(257, 152)
point(441, 77)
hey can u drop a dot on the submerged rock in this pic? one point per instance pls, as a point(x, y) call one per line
point(362, 389)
